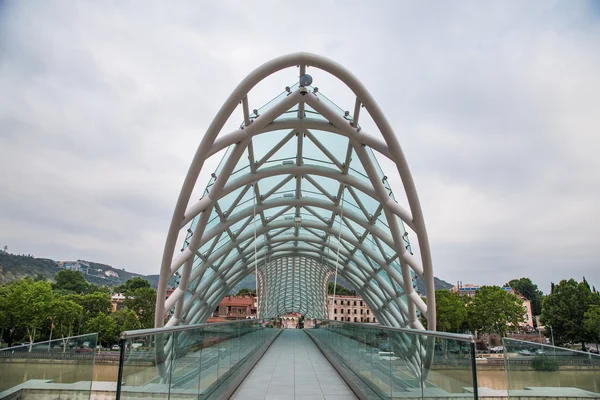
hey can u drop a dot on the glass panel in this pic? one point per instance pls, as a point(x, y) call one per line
point(27, 369)
point(194, 361)
point(147, 363)
point(395, 363)
point(451, 370)
point(344, 114)
point(536, 370)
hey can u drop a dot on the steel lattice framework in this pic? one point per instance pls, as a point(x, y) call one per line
point(298, 194)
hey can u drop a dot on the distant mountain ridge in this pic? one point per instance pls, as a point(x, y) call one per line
point(13, 267)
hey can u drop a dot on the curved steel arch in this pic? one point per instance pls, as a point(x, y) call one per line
point(327, 194)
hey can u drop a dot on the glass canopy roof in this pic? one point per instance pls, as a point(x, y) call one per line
point(298, 198)
point(298, 218)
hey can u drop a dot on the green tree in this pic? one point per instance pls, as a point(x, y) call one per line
point(68, 281)
point(564, 309)
point(530, 291)
point(105, 326)
point(493, 310)
point(93, 303)
point(125, 320)
point(63, 315)
point(26, 304)
point(591, 321)
point(340, 290)
point(244, 291)
point(143, 302)
point(451, 311)
point(131, 285)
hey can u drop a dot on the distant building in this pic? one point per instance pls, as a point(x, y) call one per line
point(111, 274)
point(469, 290)
point(236, 307)
point(117, 301)
point(170, 291)
point(349, 309)
point(79, 265)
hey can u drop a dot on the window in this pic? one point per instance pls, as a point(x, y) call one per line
point(355, 311)
point(335, 310)
point(361, 319)
point(368, 319)
point(361, 311)
point(374, 319)
point(355, 303)
point(349, 312)
point(361, 303)
point(342, 311)
point(335, 318)
point(354, 319)
point(368, 311)
point(335, 302)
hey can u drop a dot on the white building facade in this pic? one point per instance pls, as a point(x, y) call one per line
point(349, 309)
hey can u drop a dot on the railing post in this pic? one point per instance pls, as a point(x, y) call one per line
point(474, 370)
point(122, 343)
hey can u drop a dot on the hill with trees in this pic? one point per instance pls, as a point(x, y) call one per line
point(18, 266)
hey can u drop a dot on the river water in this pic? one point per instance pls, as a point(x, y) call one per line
point(451, 380)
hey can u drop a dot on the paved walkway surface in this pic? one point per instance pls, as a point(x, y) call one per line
point(293, 368)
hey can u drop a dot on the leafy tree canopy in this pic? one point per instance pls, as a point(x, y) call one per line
point(493, 310)
point(125, 320)
point(143, 302)
point(244, 291)
point(131, 285)
point(105, 326)
point(591, 320)
point(564, 309)
point(451, 311)
point(530, 291)
point(93, 303)
point(63, 315)
point(68, 281)
point(26, 303)
point(340, 290)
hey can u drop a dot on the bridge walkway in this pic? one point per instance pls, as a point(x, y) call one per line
point(293, 368)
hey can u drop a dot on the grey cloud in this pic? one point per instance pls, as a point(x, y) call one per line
point(494, 104)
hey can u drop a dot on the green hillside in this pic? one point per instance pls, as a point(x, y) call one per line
point(14, 267)
point(19, 266)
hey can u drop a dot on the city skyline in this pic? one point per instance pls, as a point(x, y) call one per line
point(494, 106)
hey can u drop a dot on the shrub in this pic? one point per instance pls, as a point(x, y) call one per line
point(544, 363)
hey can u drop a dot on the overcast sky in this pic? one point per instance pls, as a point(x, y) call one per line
point(496, 105)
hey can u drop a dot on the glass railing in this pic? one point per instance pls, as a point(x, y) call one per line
point(397, 363)
point(63, 368)
point(194, 360)
point(536, 370)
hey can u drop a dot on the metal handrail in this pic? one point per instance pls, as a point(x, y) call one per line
point(59, 339)
point(445, 335)
point(181, 328)
point(549, 346)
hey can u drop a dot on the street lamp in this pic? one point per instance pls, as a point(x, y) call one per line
point(551, 333)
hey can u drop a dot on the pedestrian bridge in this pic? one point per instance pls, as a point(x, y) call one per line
point(298, 200)
point(254, 359)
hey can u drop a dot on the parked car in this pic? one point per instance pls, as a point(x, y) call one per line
point(525, 353)
point(497, 349)
point(387, 356)
point(385, 347)
point(115, 347)
point(84, 349)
